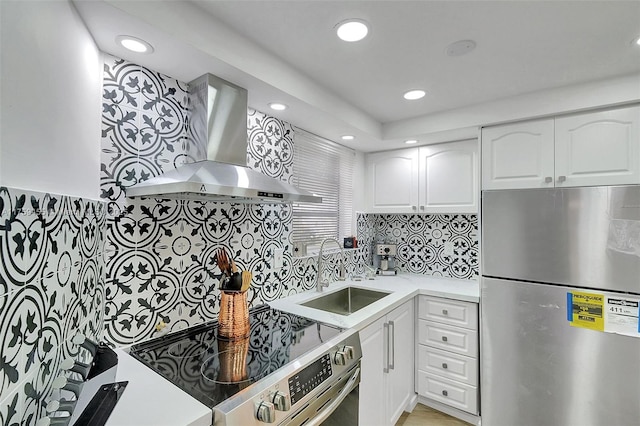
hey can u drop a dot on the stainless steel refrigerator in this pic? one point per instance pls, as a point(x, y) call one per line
point(560, 342)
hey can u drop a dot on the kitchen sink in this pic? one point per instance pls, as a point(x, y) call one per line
point(346, 301)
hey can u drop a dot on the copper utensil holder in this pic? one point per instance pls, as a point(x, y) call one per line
point(233, 360)
point(233, 321)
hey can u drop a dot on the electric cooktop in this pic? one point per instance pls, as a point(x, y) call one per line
point(213, 369)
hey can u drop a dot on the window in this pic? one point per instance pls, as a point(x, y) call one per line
point(325, 169)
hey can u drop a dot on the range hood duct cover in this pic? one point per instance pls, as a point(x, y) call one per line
point(218, 136)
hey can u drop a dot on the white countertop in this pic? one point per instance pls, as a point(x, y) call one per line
point(150, 399)
point(401, 288)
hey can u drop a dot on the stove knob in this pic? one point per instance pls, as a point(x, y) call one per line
point(349, 351)
point(340, 358)
point(265, 412)
point(281, 401)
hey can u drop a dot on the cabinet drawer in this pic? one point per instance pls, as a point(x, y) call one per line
point(448, 364)
point(455, 394)
point(454, 312)
point(449, 338)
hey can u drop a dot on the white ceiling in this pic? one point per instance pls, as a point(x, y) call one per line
point(288, 51)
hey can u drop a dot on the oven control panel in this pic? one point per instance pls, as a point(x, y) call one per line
point(285, 396)
point(307, 379)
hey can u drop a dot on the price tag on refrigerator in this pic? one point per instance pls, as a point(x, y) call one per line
point(585, 310)
point(621, 315)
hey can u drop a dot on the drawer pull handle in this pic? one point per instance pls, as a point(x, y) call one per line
point(444, 365)
point(445, 312)
point(445, 393)
point(444, 338)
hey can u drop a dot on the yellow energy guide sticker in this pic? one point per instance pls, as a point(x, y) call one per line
point(587, 310)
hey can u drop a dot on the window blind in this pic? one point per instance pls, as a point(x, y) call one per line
point(324, 168)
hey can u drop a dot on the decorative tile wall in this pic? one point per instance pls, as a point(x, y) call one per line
point(421, 238)
point(51, 287)
point(305, 268)
point(114, 270)
point(159, 253)
point(366, 234)
point(144, 130)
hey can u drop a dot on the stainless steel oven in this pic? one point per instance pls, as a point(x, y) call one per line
point(290, 371)
point(336, 405)
point(320, 387)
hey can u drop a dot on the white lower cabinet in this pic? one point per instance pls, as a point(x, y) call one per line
point(387, 374)
point(459, 395)
point(448, 337)
point(447, 364)
point(372, 398)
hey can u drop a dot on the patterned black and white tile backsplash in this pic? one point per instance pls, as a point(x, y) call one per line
point(115, 269)
point(159, 253)
point(51, 287)
point(144, 126)
point(421, 240)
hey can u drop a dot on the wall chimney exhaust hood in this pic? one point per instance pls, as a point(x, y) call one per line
point(218, 132)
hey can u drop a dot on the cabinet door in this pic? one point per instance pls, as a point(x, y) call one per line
point(456, 394)
point(448, 364)
point(449, 338)
point(393, 181)
point(600, 148)
point(399, 386)
point(519, 155)
point(449, 178)
point(448, 311)
point(372, 397)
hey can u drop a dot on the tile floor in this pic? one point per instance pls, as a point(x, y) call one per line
point(422, 415)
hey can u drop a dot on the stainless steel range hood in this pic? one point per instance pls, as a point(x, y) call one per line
point(218, 133)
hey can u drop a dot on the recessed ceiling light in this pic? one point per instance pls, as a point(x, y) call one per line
point(348, 137)
point(414, 94)
point(410, 141)
point(277, 106)
point(636, 41)
point(460, 48)
point(352, 30)
point(134, 44)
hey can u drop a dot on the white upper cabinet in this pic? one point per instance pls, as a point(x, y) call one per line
point(393, 181)
point(448, 178)
point(440, 178)
point(598, 148)
point(518, 155)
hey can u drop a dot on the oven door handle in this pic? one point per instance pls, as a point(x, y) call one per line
point(348, 387)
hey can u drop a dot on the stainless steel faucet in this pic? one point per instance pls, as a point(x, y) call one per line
point(319, 282)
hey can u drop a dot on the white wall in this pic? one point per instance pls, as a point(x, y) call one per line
point(462, 123)
point(50, 109)
point(359, 188)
